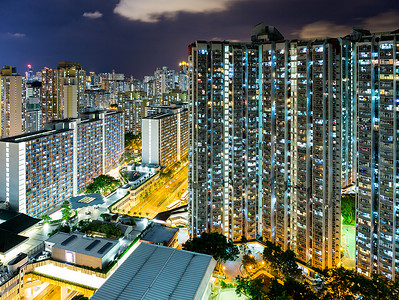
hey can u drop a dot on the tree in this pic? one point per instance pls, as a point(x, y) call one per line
point(80, 297)
point(281, 262)
point(126, 157)
point(380, 287)
point(66, 210)
point(348, 209)
point(249, 260)
point(297, 290)
point(61, 228)
point(341, 283)
point(46, 218)
point(66, 204)
point(109, 229)
point(214, 244)
point(253, 289)
point(102, 183)
point(276, 291)
point(133, 142)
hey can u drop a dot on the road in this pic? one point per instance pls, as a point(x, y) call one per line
point(160, 199)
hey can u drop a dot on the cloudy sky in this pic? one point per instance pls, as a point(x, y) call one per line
point(136, 36)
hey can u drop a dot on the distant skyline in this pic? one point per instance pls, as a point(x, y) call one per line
point(135, 36)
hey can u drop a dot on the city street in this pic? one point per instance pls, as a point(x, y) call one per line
point(160, 199)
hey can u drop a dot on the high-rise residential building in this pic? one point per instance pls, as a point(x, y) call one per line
point(96, 98)
point(36, 170)
point(114, 83)
point(322, 156)
point(377, 234)
point(271, 141)
point(33, 112)
point(71, 85)
point(114, 139)
point(149, 85)
point(160, 78)
point(133, 105)
point(50, 104)
point(165, 136)
point(12, 102)
point(40, 170)
point(183, 76)
point(173, 97)
point(164, 80)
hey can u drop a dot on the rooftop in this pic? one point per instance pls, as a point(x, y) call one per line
point(9, 240)
point(19, 223)
point(6, 214)
point(159, 234)
point(86, 200)
point(31, 136)
point(159, 116)
point(77, 242)
point(158, 272)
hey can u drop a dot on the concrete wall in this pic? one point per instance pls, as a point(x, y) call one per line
point(70, 101)
point(13, 180)
point(78, 258)
point(150, 141)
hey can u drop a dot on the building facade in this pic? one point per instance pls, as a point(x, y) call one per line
point(133, 105)
point(12, 102)
point(377, 248)
point(71, 84)
point(271, 141)
point(40, 170)
point(165, 136)
point(33, 112)
point(51, 107)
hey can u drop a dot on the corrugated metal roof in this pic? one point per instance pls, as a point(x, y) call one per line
point(157, 272)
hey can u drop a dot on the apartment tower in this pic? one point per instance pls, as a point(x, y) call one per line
point(270, 142)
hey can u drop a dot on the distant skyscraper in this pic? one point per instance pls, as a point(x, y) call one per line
point(183, 76)
point(33, 113)
point(133, 105)
point(29, 74)
point(96, 98)
point(149, 85)
point(271, 141)
point(114, 83)
point(71, 84)
point(50, 105)
point(12, 105)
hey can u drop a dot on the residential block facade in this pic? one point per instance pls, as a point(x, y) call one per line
point(40, 170)
point(271, 141)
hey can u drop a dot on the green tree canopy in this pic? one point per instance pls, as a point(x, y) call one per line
point(80, 297)
point(101, 183)
point(254, 289)
point(281, 262)
point(46, 218)
point(214, 244)
point(348, 210)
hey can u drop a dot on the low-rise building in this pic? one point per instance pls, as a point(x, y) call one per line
point(77, 249)
point(158, 272)
point(14, 233)
point(159, 234)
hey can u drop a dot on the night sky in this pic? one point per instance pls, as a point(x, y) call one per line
point(136, 36)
